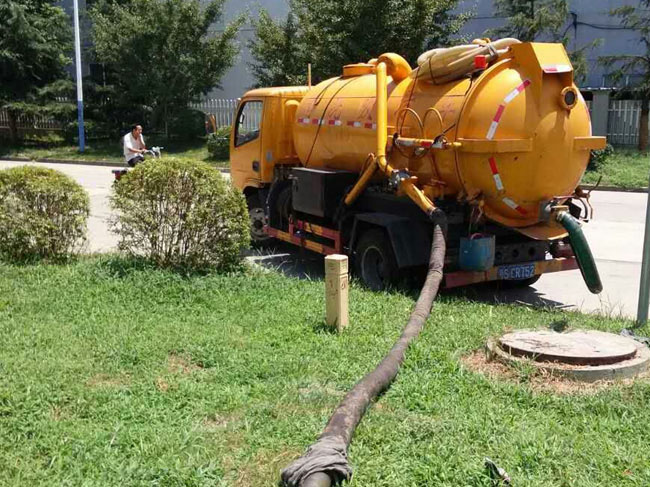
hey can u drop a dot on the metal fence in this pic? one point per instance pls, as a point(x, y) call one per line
point(30, 122)
point(623, 122)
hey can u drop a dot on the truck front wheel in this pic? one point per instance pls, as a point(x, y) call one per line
point(375, 260)
point(256, 214)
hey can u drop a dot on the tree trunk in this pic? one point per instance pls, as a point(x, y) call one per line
point(643, 123)
point(13, 126)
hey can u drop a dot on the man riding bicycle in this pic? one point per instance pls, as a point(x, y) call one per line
point(134, 147)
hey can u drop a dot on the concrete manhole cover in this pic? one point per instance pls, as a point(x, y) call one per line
point(583, 355)
point(576, 347)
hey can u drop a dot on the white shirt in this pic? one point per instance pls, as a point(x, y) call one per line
point(131, 143)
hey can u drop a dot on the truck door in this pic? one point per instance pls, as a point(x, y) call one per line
point(246, 144)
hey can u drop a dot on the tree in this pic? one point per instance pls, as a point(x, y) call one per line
point(35, 37)
point(332, 33)
point(163, 53)
point(280, 58)
point(637, 19)
point(535, 20)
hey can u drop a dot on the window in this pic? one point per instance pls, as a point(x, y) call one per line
point(248, 122)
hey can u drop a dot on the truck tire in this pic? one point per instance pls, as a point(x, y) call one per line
point(374, 260)
point(259, 237)
point(278, 205)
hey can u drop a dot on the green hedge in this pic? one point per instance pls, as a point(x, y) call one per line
point(43, 214)
point(182, 214)
point(219, 143)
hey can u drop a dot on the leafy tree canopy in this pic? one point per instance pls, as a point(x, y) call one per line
point(163, 54)
point(35, 39)
point(332, 33)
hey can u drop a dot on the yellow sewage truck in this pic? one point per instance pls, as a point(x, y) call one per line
point(494, 134)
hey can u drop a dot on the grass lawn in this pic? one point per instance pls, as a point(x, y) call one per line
point(626, 168)
point(112, 374)
point(103, 150)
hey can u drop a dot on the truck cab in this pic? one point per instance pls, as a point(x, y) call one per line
point(262, 139)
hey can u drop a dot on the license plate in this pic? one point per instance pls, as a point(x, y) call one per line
point(516, 272)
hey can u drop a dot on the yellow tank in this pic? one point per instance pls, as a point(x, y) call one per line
point(512, 139)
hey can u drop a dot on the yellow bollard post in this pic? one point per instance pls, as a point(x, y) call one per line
point(336, 291)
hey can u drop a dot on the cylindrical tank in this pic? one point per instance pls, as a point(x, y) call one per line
point(518, 133)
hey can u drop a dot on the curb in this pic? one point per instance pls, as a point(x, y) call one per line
point(615, 188)
point(65, 161)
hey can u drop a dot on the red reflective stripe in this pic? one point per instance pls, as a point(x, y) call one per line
point(521, 210)
point(315, 121)
point(368, 125)
point(500, 111)
point(493, 166)
point(426, 144)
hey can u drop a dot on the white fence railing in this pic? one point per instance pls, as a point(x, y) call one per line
point(222, 109)
point(623, 122)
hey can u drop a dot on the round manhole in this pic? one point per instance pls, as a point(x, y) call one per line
point(585, 347)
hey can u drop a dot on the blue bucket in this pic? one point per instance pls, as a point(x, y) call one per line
point(476, 252)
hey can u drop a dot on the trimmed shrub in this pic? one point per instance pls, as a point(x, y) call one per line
point(43, 214)
point(599, 157)
point(182, 214)
point(219, 143)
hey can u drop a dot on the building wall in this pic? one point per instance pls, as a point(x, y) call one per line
point(592, 21)
point(239, 79)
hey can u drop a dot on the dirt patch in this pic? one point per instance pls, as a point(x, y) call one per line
point(219, 422)
point(480, 362)
point(105, 380)
point(181, 365)
point(57, 413)
point(263, 470)
point(161, 384)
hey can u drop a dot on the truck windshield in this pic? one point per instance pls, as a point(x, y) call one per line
point(248, 122)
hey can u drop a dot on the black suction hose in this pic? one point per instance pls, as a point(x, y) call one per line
point(325, 462)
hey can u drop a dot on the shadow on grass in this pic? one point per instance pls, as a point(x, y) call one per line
point(121, 266)
point(304, 264)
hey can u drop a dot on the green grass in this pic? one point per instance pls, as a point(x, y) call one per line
point(115, 374)
point(103, 150)
point(626, 168)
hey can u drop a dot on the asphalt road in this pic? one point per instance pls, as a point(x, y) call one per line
point(615, 236)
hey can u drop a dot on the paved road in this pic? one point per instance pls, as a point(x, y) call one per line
point(615, 236)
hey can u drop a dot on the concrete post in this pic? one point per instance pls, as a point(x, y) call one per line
point(600, 112)
point(336, 291)
point(644, 285)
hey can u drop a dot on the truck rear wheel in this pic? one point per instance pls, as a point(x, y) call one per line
point(375, 260)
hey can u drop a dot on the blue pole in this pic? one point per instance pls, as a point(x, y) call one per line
point(80, 97)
